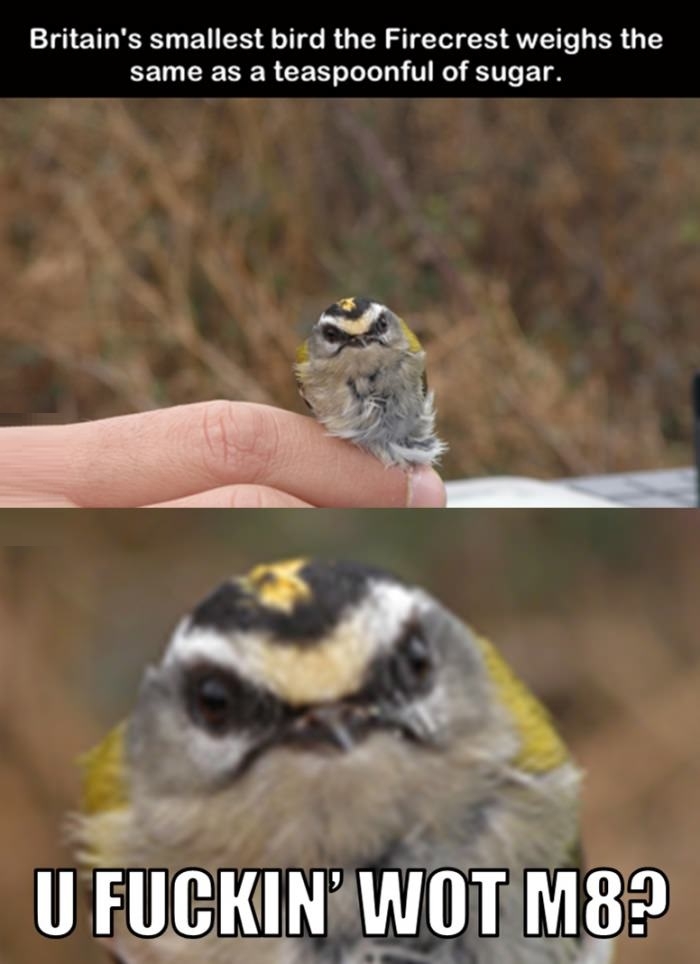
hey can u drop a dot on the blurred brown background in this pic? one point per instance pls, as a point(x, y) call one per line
point(156, 252)
point(599, 612)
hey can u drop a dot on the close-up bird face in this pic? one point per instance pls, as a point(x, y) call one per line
point(327, 714)
point(359, 324)
point(330, 676)
point(303, 684)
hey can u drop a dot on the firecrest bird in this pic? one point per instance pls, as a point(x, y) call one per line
point(362, 373)
point(326, 715)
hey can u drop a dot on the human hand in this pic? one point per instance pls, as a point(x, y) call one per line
point(209, 454)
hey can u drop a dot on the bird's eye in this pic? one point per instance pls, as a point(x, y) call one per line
point(413, 662)
point(220, 701)
point(331, 333)
point(416, 654)
point(212, 703)
point(381, 325)
point(408, 671)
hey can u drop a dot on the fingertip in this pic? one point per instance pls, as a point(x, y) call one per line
point(425, 489)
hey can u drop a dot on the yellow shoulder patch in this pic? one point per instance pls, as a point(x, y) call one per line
point(279, 585)
point(414, 344)
point(303, 353)
point(541, 747)
point(104, 781)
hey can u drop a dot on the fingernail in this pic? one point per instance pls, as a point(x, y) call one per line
point(425, 489)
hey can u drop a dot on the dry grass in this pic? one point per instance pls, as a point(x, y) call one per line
point(157, 252)
point(575, 600)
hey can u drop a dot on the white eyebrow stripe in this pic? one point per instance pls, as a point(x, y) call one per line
point(191, 644)
point(376, 309)
point(386, 608)
point(354, 325)
point(370, 627)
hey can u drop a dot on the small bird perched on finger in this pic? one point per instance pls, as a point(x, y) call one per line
point(361, 371)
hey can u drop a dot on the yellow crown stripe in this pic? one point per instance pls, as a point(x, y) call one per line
point(104, 781)
point(347, 304)
point(278, 585)
point(541, 747)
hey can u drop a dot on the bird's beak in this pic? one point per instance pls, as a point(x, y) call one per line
point(336, 723)
point(343, 725)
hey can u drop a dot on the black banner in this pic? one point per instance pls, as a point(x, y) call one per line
point(227, 56)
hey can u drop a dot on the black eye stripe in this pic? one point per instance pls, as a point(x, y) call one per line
point(333, 334)
point(219, 701)
point(405, 672)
